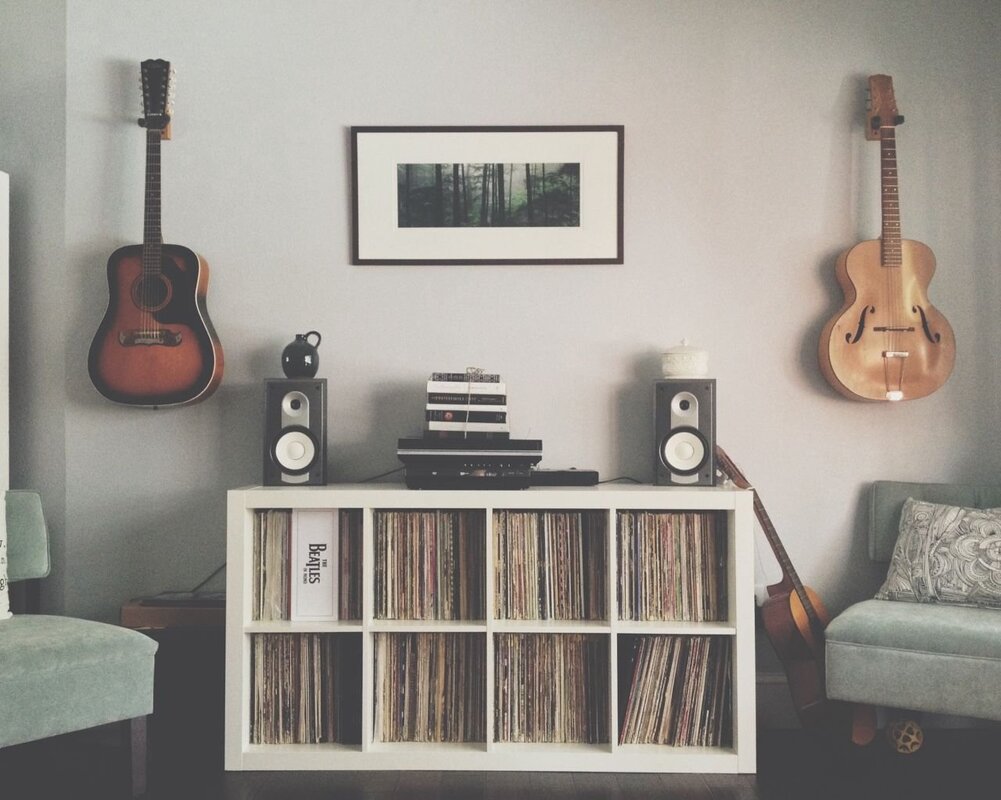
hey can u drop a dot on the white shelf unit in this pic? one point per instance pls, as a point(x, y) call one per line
point(608, 499)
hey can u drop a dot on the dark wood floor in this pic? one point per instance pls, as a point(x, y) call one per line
point(792, 765)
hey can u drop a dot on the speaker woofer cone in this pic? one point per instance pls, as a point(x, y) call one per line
point(295, 450)
point(684, 450)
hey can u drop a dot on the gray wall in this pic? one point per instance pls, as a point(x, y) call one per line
point(746, 172)
point(33, 151)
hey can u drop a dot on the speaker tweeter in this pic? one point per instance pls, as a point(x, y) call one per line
point(685, 423)
point(295, 432)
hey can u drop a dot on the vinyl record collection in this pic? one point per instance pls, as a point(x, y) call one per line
point(272, 558)
point(551, 688)
point(547, 687)
point(430, 565)
point(672, 566)
point(467, 437)
point(679, 693)
point(429, 687)
point(550, 565)
point(305, 688)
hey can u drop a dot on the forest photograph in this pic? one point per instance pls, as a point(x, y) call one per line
point(488, 195)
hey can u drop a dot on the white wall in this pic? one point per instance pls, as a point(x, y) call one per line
point(746, 172)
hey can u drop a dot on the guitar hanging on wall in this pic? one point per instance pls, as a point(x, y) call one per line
point(156, 345)
point(887, 342)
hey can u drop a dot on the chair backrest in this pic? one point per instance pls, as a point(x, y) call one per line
point(887, 500)
point(27, 537)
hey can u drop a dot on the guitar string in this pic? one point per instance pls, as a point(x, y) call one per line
point(899, 244)
point(886, 140)
point(153, 254)
point(887, 244)
point(895, 265)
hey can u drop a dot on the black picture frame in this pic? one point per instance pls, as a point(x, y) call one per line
point(447, 194)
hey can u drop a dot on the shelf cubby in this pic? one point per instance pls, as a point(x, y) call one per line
point(429, 687)
point(550, 564)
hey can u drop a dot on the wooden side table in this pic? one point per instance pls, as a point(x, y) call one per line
point(186, 728)
point(146, 613)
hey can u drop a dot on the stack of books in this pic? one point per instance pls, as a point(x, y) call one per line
point(467, 437)
point(473, 403)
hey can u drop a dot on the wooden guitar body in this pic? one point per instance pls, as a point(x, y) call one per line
point(156, 345)
point(887, 337)
point(799, 644)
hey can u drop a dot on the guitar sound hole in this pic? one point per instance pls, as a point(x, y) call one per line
point(151, 293)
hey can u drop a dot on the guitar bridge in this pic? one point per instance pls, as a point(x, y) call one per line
point(160, 336)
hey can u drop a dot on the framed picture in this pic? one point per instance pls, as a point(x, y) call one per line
point(487, 195)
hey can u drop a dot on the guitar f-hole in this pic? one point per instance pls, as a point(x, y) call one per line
point(934, 338)
point(861, 325)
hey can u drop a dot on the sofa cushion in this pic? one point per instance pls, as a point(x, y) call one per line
point(59, 674)
point(946, 554)
point(925, 657)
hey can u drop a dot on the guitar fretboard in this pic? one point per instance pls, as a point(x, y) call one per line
point(890, 198)
point(152, 234)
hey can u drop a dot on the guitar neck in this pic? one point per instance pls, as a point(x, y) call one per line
point(789, 574)
point(152, 234)
point(890, 197)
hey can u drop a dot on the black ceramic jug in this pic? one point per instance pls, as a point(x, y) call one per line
point(300, 358)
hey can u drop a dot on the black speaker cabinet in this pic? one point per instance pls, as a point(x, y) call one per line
point(295, 432)
point(685, 423)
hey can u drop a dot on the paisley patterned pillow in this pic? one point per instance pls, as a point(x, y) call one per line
point(946, 554)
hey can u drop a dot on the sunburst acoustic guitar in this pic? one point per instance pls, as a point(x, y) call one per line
point(156, 345)
point(888, 342)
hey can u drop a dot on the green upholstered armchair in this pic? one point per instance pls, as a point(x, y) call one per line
point(59, 674)
point(933, 657)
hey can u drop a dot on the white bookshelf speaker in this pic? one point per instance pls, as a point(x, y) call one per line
point(295, 432)
point(685, 423)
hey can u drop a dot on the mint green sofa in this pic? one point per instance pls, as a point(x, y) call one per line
point(944, 659)
point(59, 674)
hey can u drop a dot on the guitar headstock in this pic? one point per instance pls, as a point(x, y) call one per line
point(158, 95)
point(882, 106)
